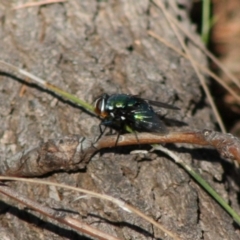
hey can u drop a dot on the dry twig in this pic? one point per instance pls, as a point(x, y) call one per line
point(61, 217)
point(74, 152)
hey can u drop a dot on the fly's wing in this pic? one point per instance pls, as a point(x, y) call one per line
point(161, 104)
point(145, 119)
point(157, 103)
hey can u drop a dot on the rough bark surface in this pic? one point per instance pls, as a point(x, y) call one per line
point(88, 48)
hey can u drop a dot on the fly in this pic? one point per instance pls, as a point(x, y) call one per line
point(118, 111)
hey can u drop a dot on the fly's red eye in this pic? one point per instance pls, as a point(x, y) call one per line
point(100, 107)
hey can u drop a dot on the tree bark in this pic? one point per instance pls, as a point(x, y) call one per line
point(88, 48)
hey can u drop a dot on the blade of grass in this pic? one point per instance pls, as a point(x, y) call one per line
point(51, 87)
point(202, 47)
point(201, 182)
point(201, 67)
point(196, 69)
point(206, 21)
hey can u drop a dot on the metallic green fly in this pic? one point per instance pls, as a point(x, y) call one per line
point(120, 110)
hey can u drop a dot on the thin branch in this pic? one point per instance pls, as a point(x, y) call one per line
point(35, 4)
point(56, 215)
point(50, 87)
point(71, 153)
point(203, 48)
point(118, 202)
point(201, 67)
point(202, 81)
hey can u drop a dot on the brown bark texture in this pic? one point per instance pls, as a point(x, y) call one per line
point(88, 48)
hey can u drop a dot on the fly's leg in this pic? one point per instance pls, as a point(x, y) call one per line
point(135, 133)
point(102, 131)
point(105, 124)
point(118, 135)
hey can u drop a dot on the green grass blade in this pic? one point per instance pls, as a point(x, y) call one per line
point(212, 193)
point(202, 183)
point(206, 21)
point(71, 97)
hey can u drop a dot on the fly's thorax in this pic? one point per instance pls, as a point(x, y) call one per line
point(117, 102)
